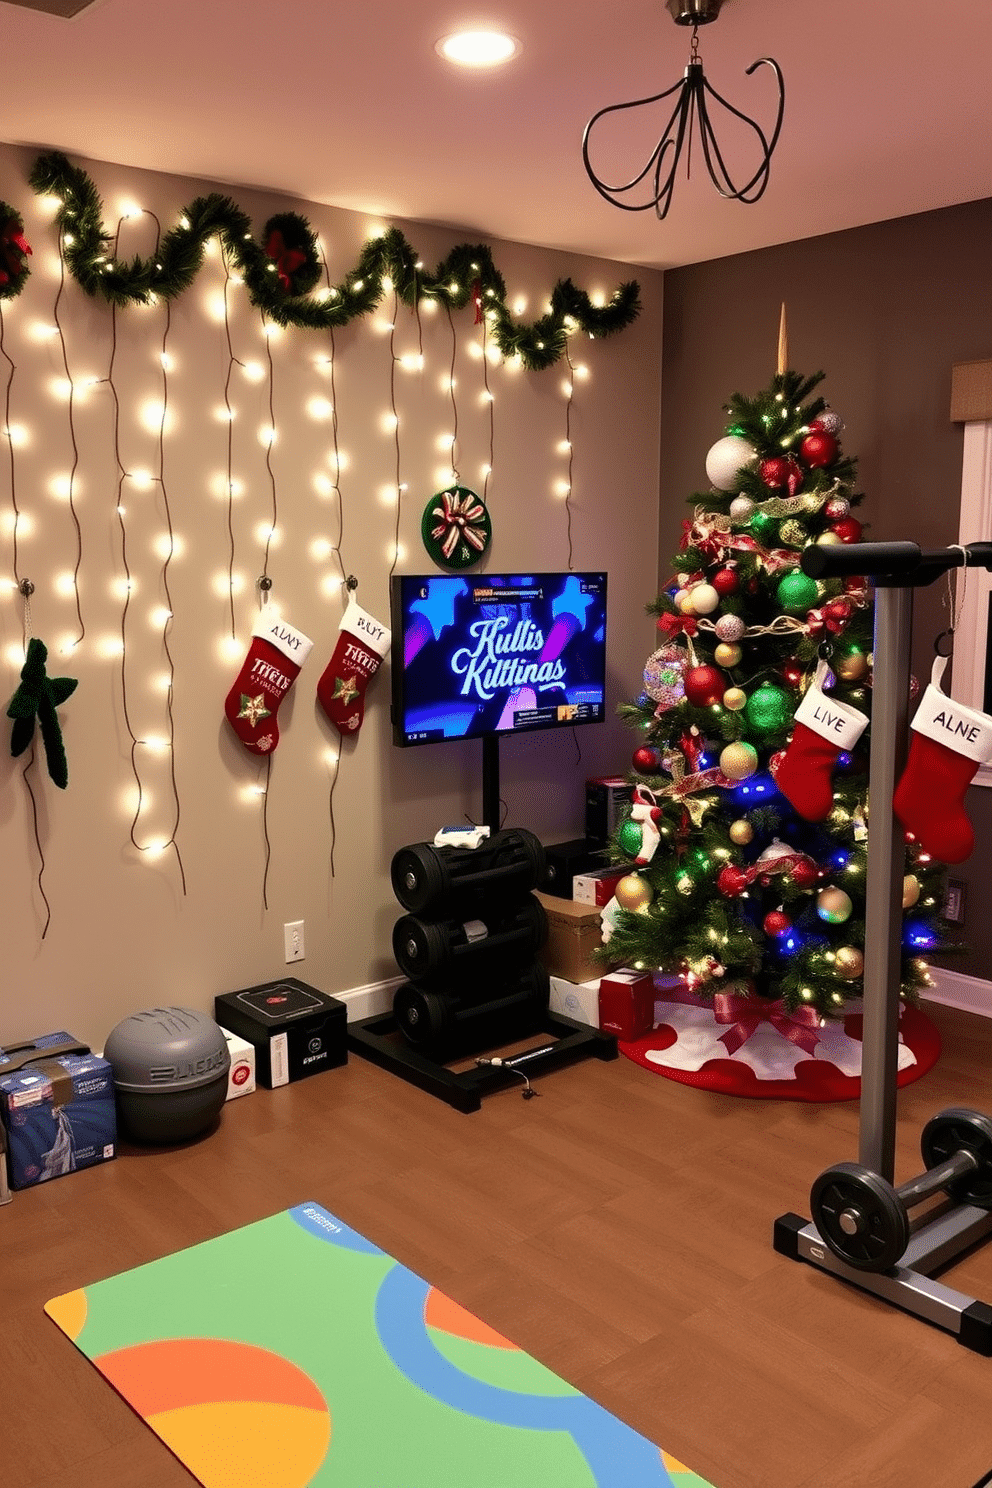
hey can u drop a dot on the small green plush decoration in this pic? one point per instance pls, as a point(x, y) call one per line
point(37, 697)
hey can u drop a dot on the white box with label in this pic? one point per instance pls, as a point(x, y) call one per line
point(241, 1079)
point(578, 1000)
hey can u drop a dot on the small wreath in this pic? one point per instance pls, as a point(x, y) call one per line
point(456, 528)
point(15, 251)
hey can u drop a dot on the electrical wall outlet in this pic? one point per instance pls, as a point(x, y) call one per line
point(293, 934)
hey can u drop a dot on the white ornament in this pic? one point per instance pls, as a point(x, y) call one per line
point(727, 459)
point(742, 509)
point(730, 628)
point(704, 599)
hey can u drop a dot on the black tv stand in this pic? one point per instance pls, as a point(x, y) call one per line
point(490, 782)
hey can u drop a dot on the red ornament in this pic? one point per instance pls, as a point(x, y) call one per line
point(848, 529)
point(805, 874)
point(646, 760)
point(775, 472)
point(818, 449)
point(838, 610)
point(725, 581)
point(704, 686)
point(855, 584)
point(731, 881)
point(791, 671)
point(776, 923)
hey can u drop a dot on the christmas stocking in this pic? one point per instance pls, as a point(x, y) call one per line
point(948, 744)
point(824, 728)
point(361, 645)
point(271, 667)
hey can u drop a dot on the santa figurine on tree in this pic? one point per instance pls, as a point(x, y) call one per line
point(747, 841)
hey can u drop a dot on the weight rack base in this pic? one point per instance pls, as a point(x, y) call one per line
point(374, 1039)
point(909, 1286)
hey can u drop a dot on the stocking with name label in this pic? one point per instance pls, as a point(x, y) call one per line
point(271, 667)
point(361, 645)
point(948, 743)
point(824, 729)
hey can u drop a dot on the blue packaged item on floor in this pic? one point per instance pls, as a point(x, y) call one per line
point(57, 1105)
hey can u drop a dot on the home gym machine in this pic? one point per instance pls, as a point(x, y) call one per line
point(861, 1228)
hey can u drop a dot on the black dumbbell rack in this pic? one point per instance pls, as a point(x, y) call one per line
point(897, 568)
point(444, 889)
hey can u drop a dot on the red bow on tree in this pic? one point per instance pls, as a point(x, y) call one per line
point(286, 260)
point(673, 625)
point(833, 617)
point(14, 248)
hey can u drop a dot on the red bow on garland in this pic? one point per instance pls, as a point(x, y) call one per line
point(747, 1014)
point(673, 625)
point(14, 248)
point(286, 260)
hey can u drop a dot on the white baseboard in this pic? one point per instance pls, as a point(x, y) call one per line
point(954, 989)
point(368, 1001)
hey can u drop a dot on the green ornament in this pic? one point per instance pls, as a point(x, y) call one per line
point(763, 526)
point(629, 837)
point(768, 709)
point(797, 592)
point(456, 529)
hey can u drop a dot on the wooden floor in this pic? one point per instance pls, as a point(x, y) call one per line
point(618, 1228)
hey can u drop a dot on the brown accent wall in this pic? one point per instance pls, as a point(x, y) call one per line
point(886, 311)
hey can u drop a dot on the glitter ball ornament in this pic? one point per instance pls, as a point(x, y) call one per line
point(774, 472)
point(741, 832)
point(734, 698)
point(849, 963)
point(818, 449)
point(664, 673)
point(704, 685)
point(792, 533)
point(726, 655)
point(741, 509)
point(837, 508)
point(630, 837)
point(848, 529)
point(910, 890)
point(729, 628)
point(776, 923)
point(731, 881)
point(791, 671)
point(739, 760)
point(646, 760)
point(633, 893)
point(704, 599)
point(727, 459)
point(764, 526)
point(833, 905)
point(725, 580)
point(797, 593)
point(827, 422)
point(769, 709)
point(684, 602)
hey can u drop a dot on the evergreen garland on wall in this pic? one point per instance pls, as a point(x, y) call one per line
point(282, 273)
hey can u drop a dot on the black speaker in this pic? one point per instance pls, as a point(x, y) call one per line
point(563, 861)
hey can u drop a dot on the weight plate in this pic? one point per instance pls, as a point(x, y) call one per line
point(950, 1131)
point(860, 1217)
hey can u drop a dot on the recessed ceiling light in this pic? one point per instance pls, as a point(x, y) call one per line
point(478, 48)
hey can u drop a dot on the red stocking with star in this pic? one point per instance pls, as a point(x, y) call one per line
point(361, 645)
point(272, 665)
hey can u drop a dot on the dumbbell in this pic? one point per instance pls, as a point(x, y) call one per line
point(432, 950)
point(429, 880)
point(441, 1026)
point(865, 1220)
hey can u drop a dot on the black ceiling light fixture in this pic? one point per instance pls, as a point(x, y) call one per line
point(654, 183)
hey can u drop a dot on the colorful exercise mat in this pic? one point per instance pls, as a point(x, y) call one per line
point(295, 1352)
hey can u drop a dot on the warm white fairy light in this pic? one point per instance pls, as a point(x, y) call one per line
point(122, 587)
point(15, 655)
point(562, 488)
point(253, 371)
point(388, 422)
point(142, 479)
point(159, 616)
point(266, 533)
point(267, 435)
point(161, 683)
point(65, 583)
point(225, 415)
point(320, 408)
point(321, 548)
point(323, 484)
point(215, 305)
point(224, 584)
point(485, 470)
point(166, 546)
point(475, 351)
point(61, 487)
point(230, 648)
point(156, 744)
point(389, 495)
point(17, 434)
point(411, 361)
point(110, 646)
point(61, 388)
point(67, 644)
point(445, 441)
point(153, 415)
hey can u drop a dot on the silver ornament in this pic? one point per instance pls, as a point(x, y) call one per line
point(742, 509)
point(730, 628)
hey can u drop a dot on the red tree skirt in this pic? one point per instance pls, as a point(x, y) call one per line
point(766, 1065)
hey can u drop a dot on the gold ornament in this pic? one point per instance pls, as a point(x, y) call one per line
point(910, 890)
point(792, 533)
point(738, 761)
point(741, 832)
point(853, 668)
point(833, 905)
point(683, 602)
point(849, 963)
point(827, 540)
point(734, 698)
point(633, 893)
point(684, 884)
point(726, 655)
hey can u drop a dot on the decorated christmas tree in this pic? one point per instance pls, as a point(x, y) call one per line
point(747, 840)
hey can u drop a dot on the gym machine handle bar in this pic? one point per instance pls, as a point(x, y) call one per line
point(892, 564)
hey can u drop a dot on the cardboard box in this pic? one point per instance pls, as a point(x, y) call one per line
point(574, 932)
point(626, 1003)
point(608, 800)
point(241, 1075)
point(58, 1108)
point(578, 1000)
point(597, 887)
point(295, 1030)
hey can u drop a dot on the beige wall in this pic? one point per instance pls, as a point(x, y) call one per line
point(122, 935)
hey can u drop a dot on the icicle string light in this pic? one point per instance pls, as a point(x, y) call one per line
point(455, 476)
point(270, 441)
point(9, 437)
point(393, 363)
point(232, 362)
point(287, 295)
point(568, 441)
point(492, 411)
point(75, 447)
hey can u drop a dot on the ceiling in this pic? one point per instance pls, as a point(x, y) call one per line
point(887, 108)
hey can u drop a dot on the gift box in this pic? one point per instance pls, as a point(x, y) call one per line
point(295, 1030)
point(57, 1107)
point(241, 1075)
point(574, 933)
point(597, 886)
point(626, 1004)
point(578, 1000)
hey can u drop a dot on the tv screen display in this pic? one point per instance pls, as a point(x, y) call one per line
point(494, 654)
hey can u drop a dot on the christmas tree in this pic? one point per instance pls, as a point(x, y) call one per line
point(747, 840)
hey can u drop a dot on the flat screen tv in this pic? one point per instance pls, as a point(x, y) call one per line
point(488, 655)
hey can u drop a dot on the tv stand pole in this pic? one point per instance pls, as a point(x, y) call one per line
point(490, 782)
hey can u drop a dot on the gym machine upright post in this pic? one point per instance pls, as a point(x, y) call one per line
point(861, 1230)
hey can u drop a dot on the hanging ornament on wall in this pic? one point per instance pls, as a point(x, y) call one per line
point(456, 528)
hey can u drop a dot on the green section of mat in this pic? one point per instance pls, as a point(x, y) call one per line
point(296, 1352)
